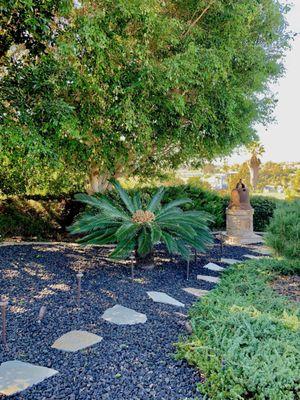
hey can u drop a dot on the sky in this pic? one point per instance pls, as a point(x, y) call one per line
point(282, 139)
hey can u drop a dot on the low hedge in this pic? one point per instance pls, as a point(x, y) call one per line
point(48, 217)
point(246, 337)
point(214, 203)
point(283, 233)
point(41, 219)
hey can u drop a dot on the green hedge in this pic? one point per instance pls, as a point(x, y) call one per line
point(41, 219)
point(215, 204)
point(48, 217)
point(246, 337)
point(283, 233)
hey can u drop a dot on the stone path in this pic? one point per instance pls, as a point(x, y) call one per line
point(16, 376)
point(161, 297)
point(76, 340)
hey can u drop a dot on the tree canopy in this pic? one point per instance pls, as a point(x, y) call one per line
point(136, 87)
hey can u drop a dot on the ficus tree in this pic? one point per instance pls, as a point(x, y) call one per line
point(139, 87)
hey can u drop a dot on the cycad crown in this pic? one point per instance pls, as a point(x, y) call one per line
point(130, 227)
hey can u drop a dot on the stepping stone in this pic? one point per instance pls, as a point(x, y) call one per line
point(76, 340)
point(207, 278)
point(123, 316)
point(252, 257)
point(213, 267)
point(262, 250)
point(229, 261)
point(196, 292)
point(16, 376)
point(161, 297)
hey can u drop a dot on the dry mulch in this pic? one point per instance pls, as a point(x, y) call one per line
point(288, 286)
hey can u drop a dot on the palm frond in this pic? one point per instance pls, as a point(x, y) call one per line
point(104, 205)
point(124, 196)
point(127, 231)
point(172, 204)
point(123, 249)
point(170, 242)
point(144, 242)
point(155, 202)
point(137, 202)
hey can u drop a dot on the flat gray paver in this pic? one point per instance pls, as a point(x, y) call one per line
point(16, 376)
point(214, 267)
point(230, 261)
point(76, 340)
point(123, 316)
point(262, 250)
point(161, 297)
point(196, 292)
point(207, 278)
point(252, 257)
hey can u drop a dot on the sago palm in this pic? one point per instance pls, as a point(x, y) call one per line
point(134, 227)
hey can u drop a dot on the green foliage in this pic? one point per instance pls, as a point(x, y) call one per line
point(283, 233)
point(136, 226)
point(246, 337)
point(203, 200)
point(136, 87)
point(212, 203)
point(28, 218)
point(30, 23)
point(40, 217)
point(286, 175)
point(264, 208)
point(195, 181)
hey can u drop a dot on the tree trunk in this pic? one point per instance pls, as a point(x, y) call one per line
point(254, 165)
point(97, 182)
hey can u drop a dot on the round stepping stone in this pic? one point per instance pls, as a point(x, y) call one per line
point(16, 376)
point(207, 278)
point(196, 292)
point(123, 316)
point(76, 340)
point(229, 261)
point(161, 297)
point(213, 267)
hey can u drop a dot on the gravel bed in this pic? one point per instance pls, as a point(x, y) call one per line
point(131, 362)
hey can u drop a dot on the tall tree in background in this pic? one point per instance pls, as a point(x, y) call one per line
point(139, 87)
point(255, 149)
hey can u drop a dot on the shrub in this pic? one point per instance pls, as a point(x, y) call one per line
point(47, 217)
point(212, 203)
point(40, 218)
point(135, 226)
point(245, 337)
point(264, 208)
point(283, 233)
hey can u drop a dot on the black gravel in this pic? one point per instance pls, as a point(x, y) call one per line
point(132, 362)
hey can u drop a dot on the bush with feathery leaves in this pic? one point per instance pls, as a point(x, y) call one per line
point(283, 232)
point(133, 226)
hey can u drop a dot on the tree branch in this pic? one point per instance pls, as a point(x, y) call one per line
point(197, 19)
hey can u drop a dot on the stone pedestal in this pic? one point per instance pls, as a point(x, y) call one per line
point(239, 227)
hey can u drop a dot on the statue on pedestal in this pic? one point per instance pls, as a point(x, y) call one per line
point(239, 217)
point(239, 199)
